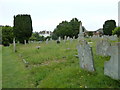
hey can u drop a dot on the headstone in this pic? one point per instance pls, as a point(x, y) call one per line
point(102, 47)
point(29, 41)
point(51, 39)
point(65, 38)
point(68, 38)
point(112, 67)
point(25, 42)
point(86, 56)
point(113, 37)
point(73, 37)
point(71, 40)
point(14, 45)
point(59, 39)
point(46, 41)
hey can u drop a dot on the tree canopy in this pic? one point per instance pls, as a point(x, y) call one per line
point(7, 35)
point(66, 28)
point(108, 26)
point(22, 27)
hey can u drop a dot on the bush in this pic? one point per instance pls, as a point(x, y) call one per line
point(116, 31)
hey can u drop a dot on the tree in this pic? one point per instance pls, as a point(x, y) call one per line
point(22, 27)
point(75, 23)
point(66, 28)
point(108, 26)
point(7, 35)
point(116, 31)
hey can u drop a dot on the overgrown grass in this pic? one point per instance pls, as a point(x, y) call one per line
point(0, 67)
point(53, 66)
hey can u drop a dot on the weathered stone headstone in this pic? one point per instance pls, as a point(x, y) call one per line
point(51, 39)
point(68, 38)
point(113, 37)
point(25, 42)
point(46, 41)
point(59, 39)
point(71, 40)
point(86, 56)
point(73, 37)
point(102, 47)
point(112, 67)
point(14, 45)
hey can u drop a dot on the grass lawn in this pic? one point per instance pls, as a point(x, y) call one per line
point(0, 67)
point(52, 66)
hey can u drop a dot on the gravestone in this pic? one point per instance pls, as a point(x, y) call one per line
point(14, 45)
point(25, 42)
point(65, 38)
point(102, 47)
point(85, 55)
point(113, 37)
point(112, 67)
point(46, 41)
point(73, 37)
point(71, 40)
point(59, 39)
point(68, 38)
point(51, 39)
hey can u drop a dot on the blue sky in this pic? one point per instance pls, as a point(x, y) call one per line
point(47, 14)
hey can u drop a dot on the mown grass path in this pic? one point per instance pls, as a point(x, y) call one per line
point(13, 70)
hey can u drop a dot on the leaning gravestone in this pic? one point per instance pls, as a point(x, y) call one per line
point(86, 56)
point(102, 47)
point(112, 67)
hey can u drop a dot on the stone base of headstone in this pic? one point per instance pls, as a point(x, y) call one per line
point(112, 67)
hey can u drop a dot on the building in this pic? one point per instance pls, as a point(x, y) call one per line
point(45, 33)
point(97, 32)
point(119, 13)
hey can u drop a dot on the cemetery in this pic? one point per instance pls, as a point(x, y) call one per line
point(53, 65)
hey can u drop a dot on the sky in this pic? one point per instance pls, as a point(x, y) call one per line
point(47, 14)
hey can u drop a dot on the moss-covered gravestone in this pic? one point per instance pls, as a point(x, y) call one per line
point(85, 55)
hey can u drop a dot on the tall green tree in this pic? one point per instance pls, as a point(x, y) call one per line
point(22, 27)
point(75, 23)
point(7, 35)
point(108, 26)
point(66, 28)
